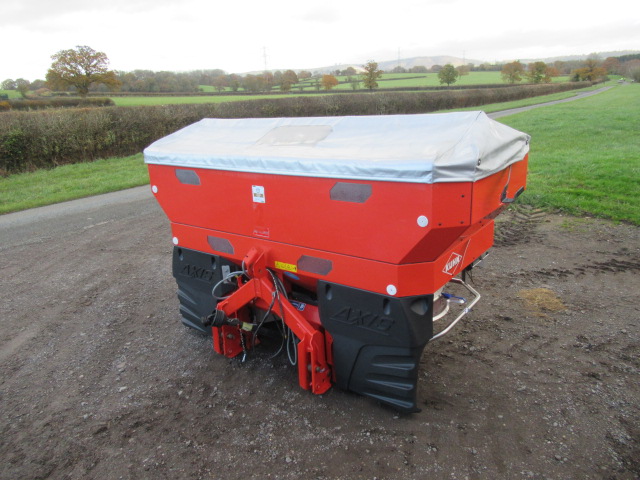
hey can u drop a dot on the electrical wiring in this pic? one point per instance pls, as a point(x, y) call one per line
point(225, 279)
point(288, 337)
point(292, 351)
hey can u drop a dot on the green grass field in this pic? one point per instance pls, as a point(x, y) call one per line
point(585, 159)
point(67, 182)
point(585, 155)
point(10, 93)
point(389, 80)
point(395, 80)
point(417, 80)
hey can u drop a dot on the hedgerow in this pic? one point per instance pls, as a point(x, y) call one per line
point(55, 102)
point(44, 139)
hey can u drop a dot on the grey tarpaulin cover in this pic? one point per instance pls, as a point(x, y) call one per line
point(425, 148)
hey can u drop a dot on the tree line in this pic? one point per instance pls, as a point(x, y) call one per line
point(591, 69)
point(83, 70)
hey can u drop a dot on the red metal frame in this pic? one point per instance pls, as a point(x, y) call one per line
point(409, 279)
point(314, 371)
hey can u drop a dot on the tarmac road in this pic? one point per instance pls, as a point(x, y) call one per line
point(39, 224)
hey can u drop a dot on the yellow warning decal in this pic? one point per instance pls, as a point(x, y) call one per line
point(289, 267)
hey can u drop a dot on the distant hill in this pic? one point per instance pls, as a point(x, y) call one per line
point(569, 58)
point(429, 61)
point(426, 62)
point(407, 63)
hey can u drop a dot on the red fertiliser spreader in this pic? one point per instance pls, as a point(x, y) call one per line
point(345, 241)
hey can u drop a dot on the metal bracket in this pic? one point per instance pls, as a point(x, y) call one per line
point(504, 199)
point(314, 372)
point(467, 309)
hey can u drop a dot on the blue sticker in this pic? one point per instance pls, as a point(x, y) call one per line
point(291, 275)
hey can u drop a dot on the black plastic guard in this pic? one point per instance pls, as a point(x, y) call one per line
point(377, 341)
point(196, 274)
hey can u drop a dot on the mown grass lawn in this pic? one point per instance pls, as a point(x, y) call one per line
point(585, 155)
point(67, 182)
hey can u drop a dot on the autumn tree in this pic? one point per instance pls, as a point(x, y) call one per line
point(329, 81)
point(512, 72)
point(80, 68)
point(448, 74)
point(219, 83)
point(371, 75)
point(590, 72)
point(538, 72)
point(611, 65)
point(289, 78)
point(253, 83)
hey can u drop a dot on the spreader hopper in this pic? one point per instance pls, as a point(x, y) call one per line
point(346, 237)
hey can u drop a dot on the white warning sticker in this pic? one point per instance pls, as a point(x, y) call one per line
point(258, 194)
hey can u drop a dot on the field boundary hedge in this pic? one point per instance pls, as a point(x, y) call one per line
point(54, 102)
point(45, 139)
point(309, 90)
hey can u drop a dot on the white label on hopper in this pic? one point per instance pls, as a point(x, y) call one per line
point(258, 193)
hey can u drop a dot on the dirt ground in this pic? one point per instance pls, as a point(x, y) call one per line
point(99, 379)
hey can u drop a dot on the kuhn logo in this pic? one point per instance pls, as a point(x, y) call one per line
point(451, 267)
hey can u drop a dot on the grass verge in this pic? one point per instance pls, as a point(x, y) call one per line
point(585, 155)
point(496, 107)
point(68, 182)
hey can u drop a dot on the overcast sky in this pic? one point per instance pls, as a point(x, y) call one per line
point(233, 36)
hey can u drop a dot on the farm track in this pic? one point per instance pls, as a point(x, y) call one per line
point(100, 379)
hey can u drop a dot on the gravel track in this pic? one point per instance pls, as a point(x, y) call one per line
point(101, 380)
